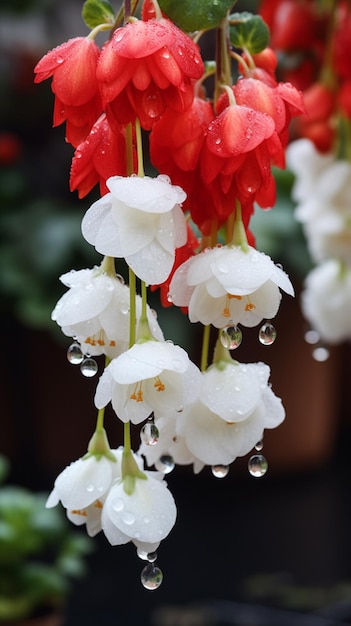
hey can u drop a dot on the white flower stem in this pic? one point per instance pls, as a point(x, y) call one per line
point(132, 308)
point(239, 233)
point(129, 149)
point(144, 333)
point(205, 347)
point(139, 143)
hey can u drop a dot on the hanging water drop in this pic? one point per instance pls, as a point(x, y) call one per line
point(165, 464)
point(142, 554)
point(151, 577)
point(320, 354)
point(267, 334)
point(257, 465)
point(259, 445)
point(89, 367)
point(75, 354)
point(149, 433)
point(312, 336)
point(220, 471)
point(151, 557)
point(231, 337)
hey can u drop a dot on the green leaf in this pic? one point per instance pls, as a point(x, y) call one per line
point(191, 16)
point(96, 12)
point(249, 32)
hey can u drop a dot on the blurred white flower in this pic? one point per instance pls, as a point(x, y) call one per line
point(227, 283)
point(150, 376)
point(95, 310)
point(236, 404)
point(326, 301)
point(304, 160)
point(140, 220)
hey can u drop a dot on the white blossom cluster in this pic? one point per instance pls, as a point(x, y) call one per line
point(322, 191)
point(208, 417)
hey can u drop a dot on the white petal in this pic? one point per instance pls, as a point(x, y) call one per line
point(147, 360)
point(83, 482)
point(232, 393)
point(108, 240)
point(94, 217)
point(153, 195)
point(104, 389)
point(153, 264)
point(148, 514)
point(113, 534)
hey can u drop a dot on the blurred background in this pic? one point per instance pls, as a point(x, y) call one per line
point(244, 551)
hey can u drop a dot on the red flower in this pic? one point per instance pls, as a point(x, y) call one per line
point(235, 159)
point(101, 155)
point(176, 140)
point(72, 66)
point(146, 68)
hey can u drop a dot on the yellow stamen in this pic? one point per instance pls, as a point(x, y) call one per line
point(79, 512)
point(159, 384)
point(226, 310)
point(137, 393)
point(98, 504)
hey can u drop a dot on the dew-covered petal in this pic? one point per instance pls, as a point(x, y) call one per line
point(94, 217)
point(147, 360)
point(153, 264)
point(231, 392)
point(148, 514)
point(152, 195)
point(83, 482)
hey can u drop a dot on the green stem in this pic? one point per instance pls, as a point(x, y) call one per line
point(223, 66)
point(239, 233)
point(98, 29)
point(108, 266)
point(132, 308)
point(139, 143)
point(205, 347)
point(127, 437)
point(100, 419)
point(129, 149)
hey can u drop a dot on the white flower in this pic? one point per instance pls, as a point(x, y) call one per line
point(227, 283)
point(308, 165)
point(140, 220)
point(82, 487)
point(236, 405)
point(95, 310)
point(150, 376)
point(146, 516)
point(169, 443)
point(326, 213)
point(326, 301)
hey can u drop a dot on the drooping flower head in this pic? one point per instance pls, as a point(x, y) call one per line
point(227, 283)
point(150, 376)
point(146, 68)
point(235, 405)
point(95, 310)
point(72, 66)
point(140, 220)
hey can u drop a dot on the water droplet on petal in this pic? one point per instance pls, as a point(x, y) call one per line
point(90, 488)
point(151, 577)
point(75, 354)
point(151, 557)
point(165, 464)
point(118, 505)
point(320, 354)
point(124, 308)
point(231, 337)
point(89, 367)
point(257, 465)
point(120, 278)
point(220, 471)
point(128, 518)
point(149, 434)
point(267, 334)
point(259, 445)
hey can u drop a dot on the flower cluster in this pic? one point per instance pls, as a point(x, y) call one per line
point(184, 231)
point(319, 158)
